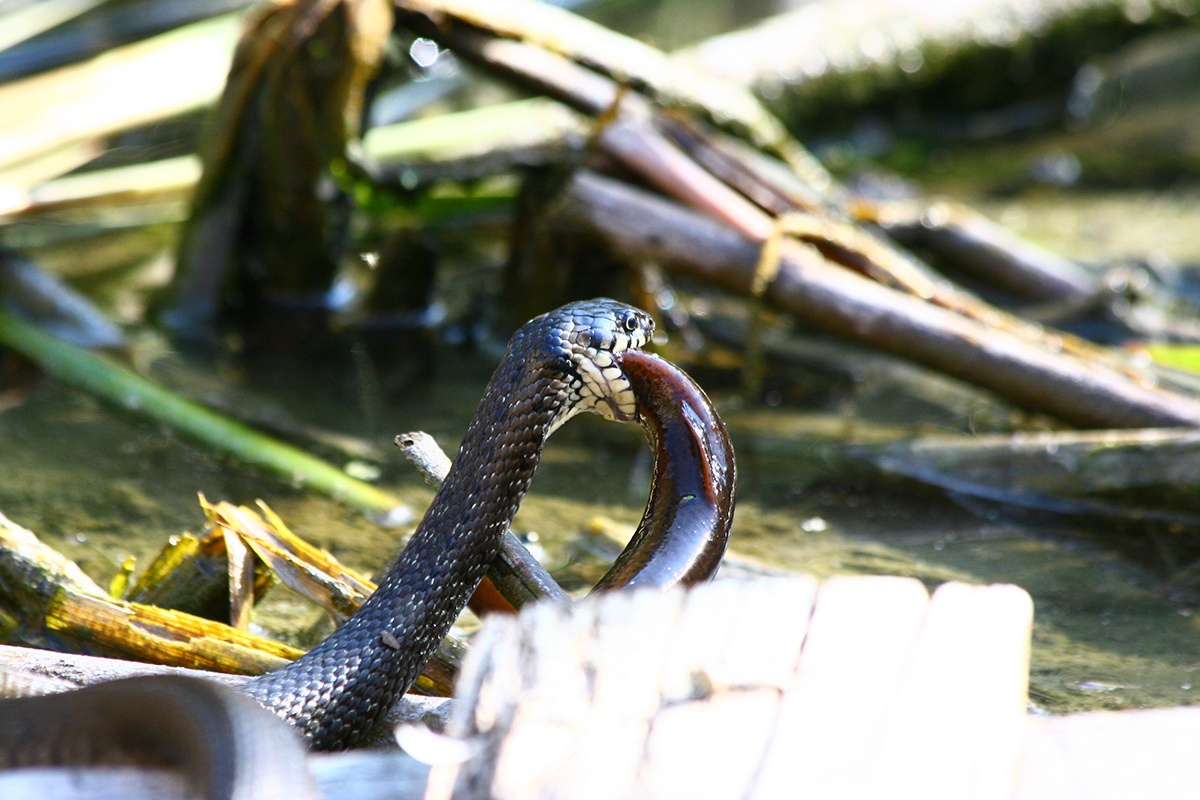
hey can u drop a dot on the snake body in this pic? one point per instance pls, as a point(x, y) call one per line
point(556, 365)
point(226, 747)
point(582, 357)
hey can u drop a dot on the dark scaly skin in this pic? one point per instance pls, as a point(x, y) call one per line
point(682, 536)
point(338, 692)
point(225, 745)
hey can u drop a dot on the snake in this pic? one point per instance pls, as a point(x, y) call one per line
point(582, 357)
point(556, 366)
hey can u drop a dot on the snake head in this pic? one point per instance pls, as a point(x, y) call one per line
point(588, 338)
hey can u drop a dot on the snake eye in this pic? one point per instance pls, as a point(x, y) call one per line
point(631, 323)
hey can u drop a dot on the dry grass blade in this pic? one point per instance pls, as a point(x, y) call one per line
point(36, 18)
point(319, 576)
point(170, 179)
point(46, 601)
point(152, 80)
point(305, 569)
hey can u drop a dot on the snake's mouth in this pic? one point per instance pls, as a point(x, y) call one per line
point(620, 407)
point(611, 390)
point(602, 388)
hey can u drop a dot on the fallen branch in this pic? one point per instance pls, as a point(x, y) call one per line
point(515, 573)
point(1087, 392)
point(48, 602)
point(819, 271)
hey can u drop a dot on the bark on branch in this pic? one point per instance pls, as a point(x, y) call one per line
point(1087, 392)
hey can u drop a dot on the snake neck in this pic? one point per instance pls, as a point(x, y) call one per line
point(340, 690)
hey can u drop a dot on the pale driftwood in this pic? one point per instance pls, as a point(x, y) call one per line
point(423, 452)
point(1058, 462)
point(854, 687)
point(1111, 755)
point(751, 689)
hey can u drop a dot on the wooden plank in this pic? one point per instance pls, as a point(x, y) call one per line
point(733, 652)
point(954, 729)
point(869, 688)
point(860, 642)
point(565, 700)
point(1111, 755)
